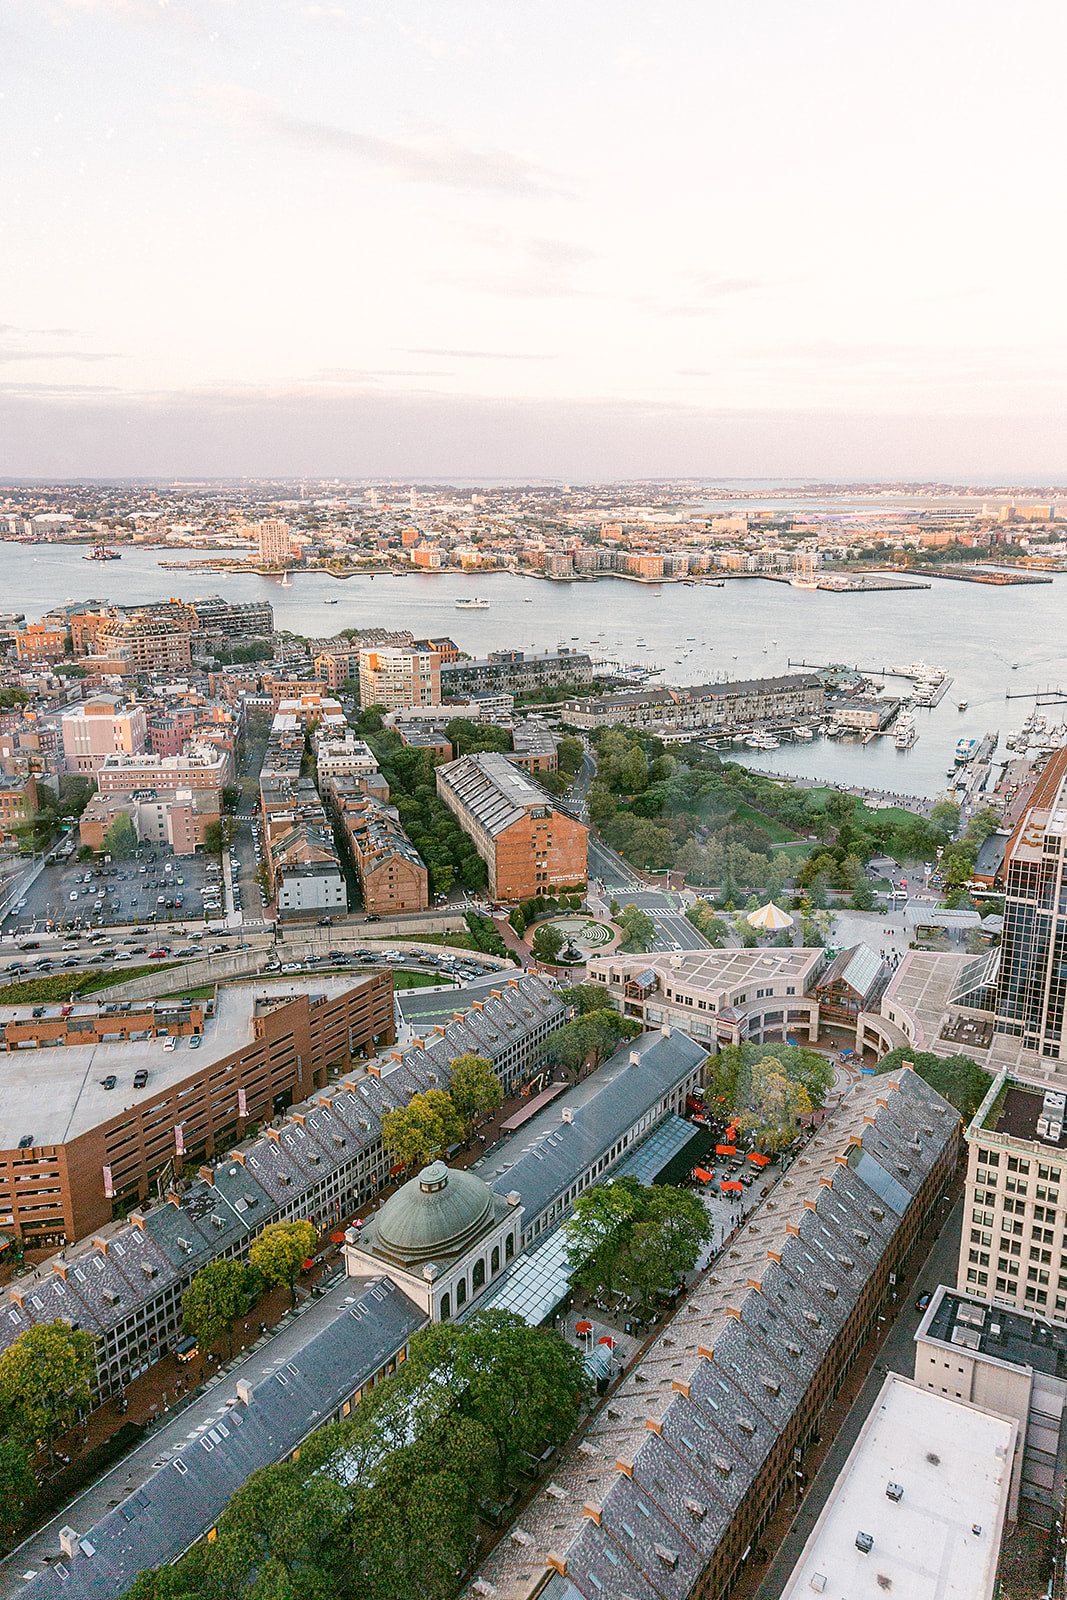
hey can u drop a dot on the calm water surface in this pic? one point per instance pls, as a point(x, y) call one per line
point(749, 628)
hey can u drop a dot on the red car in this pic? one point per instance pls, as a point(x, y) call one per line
point(156, 955)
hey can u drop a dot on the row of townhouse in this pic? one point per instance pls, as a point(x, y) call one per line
point(125, 1284)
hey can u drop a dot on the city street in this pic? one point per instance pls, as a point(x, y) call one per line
point(673, 931)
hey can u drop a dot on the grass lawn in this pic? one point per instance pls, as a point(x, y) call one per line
point(415, 980)
point(779, 834)
point(450, 941)
point(800, 850)
point(61, 985)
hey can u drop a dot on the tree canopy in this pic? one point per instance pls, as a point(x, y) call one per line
point(733, 1087)
point(641, 1238)
point(385, 1504)
point(44, 1383)
point(589, 1040)
point(958, 1079)
point(219, 1292)
point(422, 1130)
point(280, 1249)
point(474, 1087)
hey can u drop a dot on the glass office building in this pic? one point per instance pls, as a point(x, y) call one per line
point(1032, 984)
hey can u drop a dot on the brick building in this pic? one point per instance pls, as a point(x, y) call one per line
point(396, 678)
point(528, 845)
point(73, 1150)
point(391, 872)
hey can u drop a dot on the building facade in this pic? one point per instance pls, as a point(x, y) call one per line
point(397, 678)
point(1032, 983)
point(528, 846)
point(101, 727)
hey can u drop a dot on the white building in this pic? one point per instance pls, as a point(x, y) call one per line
point(919, 1507)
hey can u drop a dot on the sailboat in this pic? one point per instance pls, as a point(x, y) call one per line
point(287, 582)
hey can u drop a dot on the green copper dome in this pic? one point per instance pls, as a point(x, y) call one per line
point(439, 1213)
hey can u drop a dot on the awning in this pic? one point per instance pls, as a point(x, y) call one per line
point(725, 1150)
point(760, 1161)
point(307, 1264)
point(730, 1183)
point(705, 1177)
point(337, 1238)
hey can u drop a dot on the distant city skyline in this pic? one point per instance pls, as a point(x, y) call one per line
point(570, 241)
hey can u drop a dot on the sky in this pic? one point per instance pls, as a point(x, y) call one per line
point(572, 239)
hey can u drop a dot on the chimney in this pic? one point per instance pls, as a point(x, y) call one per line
point(568, 1114)
point(244, 1392)
point(635, 1058)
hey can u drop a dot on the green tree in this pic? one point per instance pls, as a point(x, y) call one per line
point(524, 1386)
point(774, 1107)
point(517, 921)
point(278, 1252)
point(213, 839)
point(474, 1087)
point(598, 1231)
point(569, 756)
point(547, 942)
point(218, 1293)
point(638, 927)
point(419, 1132)
point(120, 840)
point(17, 1482)
point(44, 1383)
point(583, 997)
point(946, 813)
point(958, 1079)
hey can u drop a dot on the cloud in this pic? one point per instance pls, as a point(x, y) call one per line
point(359, 374)
point(440, 161)
point(478, 355)
point(58, 355)
point(262, 433)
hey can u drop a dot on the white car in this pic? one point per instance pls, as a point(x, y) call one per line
point(74, 894)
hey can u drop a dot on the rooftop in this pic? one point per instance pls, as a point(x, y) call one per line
point(54, 1093)
point(940, 1537)
point(995, 1332)
point(1013, 1108)
point(492, 789)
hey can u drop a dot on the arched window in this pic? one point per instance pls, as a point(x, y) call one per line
point(478, 1275)
point(446, 1307)
point(509, 1247)
point(461, 1292)
point(494, 1264)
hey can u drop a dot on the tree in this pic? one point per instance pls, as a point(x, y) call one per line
point(280, 1249)
point(570, 755)
point(44, 1383)
point(547, 942)
point(120, 840)
point(213, 839)
point(16, 1482)
point(598, 1231)
point(584, 997)
point(517, 920)
point(474, 1087)
point(524, 1386)
point(776, 1102)
point(946, 813)
point(957, 1079)
point(419, 1132)
point(218, 1293)
point(638, 927)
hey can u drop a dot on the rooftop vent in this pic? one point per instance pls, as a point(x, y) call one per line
point(894, 1491)
point(865, 1542)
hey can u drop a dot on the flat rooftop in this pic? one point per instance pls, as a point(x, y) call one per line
point(716, 969)
point(953, 1463)
point(55, 1093)
point(1015, 1112)
point(996, 1332)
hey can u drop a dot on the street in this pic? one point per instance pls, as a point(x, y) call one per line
point(673, 931)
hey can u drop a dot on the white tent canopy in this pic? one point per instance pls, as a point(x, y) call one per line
point(769, 918)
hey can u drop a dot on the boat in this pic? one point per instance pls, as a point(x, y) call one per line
point(1015, 666)
point(526, 600)
point(906, 734)
point(100, 552)
point(329, 602)
point(803, 733)
point(761, 739)
point(803, 583)
point(472, 605)
point(287, 582)
point(966, 750)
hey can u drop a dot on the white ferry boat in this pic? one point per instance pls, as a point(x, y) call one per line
point(472, 605)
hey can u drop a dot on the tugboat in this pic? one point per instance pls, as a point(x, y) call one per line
point(100, 552)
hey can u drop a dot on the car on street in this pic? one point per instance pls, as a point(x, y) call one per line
point(109, 1082)
point(140, 1078)
point(923, 1301)
point(195, 1041)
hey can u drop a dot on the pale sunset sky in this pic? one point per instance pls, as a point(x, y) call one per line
point(588, 240)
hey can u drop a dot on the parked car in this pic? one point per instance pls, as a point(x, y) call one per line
point(140, 1078)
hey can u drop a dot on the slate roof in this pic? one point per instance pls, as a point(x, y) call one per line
point(286, 1400)
point(559, 1152)
point(491, 789)
point(639, 1506)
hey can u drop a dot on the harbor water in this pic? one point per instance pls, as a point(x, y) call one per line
point(748, 628)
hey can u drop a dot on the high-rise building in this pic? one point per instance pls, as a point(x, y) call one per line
point(397, 678)
point(273, 542)
point(1032, 984)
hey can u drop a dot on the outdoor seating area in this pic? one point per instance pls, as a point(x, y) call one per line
point(968, 1031)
